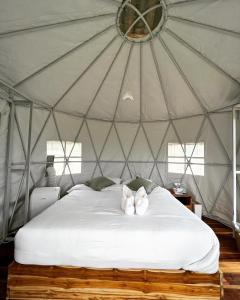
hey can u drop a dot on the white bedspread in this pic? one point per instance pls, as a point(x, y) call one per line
point(89, 229)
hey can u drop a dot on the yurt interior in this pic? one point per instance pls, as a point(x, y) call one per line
point(120, 149)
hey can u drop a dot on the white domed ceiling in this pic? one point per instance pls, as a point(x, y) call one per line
point(131, 60)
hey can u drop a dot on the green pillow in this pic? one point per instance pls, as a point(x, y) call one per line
point(99, 183)
point(135, 184)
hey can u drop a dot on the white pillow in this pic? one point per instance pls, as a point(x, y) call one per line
point(80, 187)
point(159, 189)
point(114, 187)
point(116, 180)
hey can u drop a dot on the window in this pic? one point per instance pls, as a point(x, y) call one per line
point(177, 162)
point(55, 148)
point(137, 17)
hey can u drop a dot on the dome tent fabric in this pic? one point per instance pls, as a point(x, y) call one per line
point(71, 61)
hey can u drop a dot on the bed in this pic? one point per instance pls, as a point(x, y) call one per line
point(87, 230)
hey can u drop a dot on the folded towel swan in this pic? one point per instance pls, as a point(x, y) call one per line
point(127, 204)
point(130, 204)
point(141, 201)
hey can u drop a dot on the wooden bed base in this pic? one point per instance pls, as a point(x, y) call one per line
point(51, 282)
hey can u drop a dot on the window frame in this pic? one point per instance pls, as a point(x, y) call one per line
point(64, 159)
point(186, 159)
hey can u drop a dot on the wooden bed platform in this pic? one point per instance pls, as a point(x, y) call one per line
point(51, 282)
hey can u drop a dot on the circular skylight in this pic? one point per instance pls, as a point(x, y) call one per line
point(140, 20)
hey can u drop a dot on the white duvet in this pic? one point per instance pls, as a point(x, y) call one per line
point(89, 229)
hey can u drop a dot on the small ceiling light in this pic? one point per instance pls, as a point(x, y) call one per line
point(128, 97)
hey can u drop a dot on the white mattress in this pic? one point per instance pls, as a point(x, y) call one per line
point(88, 229)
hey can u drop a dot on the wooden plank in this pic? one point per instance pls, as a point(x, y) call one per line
point(96, 296)
point(230, 266)
point(33, 282)
point(231, 279)
point(177, 276)
point(79, 284)
point(230, 294)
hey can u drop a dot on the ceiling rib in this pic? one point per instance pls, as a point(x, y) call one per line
point(195, 144)
point(84, 120)
point(22, 142)
point(117, 105)
point(85, 70)
point(158, 152)
point(95, 151)
point(163, 91)
point(55, 24)
point(178, 3)
point(123, 81)
point(153, 157)
point(140, 83)
point(129, 153)
point(75, 139)
point(202, 56)
point(160, 79)
point(183, 75)
point(219, 139)
point(214, 111)
point(41, 132)
point(104, 78)
point(63, 148)
point(5, 86)
point(185, 156)
point(121, 146)
point(226, 177)
point(105, 141)
point(207, 26)
point(68, 157)
point(14, 209)
point(222, 186)
point(64, 55)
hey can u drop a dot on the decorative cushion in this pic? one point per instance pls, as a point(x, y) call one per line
point(135, 184)
point(99, 183)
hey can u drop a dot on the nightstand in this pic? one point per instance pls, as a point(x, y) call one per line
point(41, 198)
point(185, 199)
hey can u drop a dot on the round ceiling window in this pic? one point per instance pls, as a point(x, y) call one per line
point(140, 20)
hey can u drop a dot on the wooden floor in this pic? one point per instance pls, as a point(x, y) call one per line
point(229, 262)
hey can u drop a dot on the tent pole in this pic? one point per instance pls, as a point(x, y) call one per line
point(28, 162)
point(61, 57)
point(5, 86)
point(202, 56)
point(7, 190)
point(206, 26)
point(54, 24)
point(234, 165)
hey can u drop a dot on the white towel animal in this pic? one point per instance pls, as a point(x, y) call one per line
point(141, 201)
point(127, 204)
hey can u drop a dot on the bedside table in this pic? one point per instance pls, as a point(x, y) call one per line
point(41, 198)
point(185, 199)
